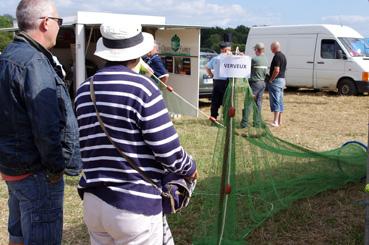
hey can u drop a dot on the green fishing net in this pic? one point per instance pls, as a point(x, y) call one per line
point(254, 174)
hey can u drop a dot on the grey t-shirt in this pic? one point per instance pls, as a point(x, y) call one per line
point(259, 68)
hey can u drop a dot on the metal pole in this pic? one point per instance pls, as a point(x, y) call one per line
point(80, 66)
point(366, 239)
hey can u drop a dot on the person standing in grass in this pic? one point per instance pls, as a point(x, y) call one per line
point(38, 129)
point(219, 83)
point(277, 83)
point(259, 69)
point(120, 206)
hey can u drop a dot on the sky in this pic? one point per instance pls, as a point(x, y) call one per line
point(231, 13)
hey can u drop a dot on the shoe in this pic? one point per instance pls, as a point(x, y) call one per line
point(241, 132)
point(174, 116)
point(273, 124)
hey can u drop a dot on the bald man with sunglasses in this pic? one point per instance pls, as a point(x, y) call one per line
point(38, 130)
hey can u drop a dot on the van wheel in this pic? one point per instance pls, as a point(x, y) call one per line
point(347, 87)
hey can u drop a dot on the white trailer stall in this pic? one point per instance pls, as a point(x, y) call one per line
point(179, 48)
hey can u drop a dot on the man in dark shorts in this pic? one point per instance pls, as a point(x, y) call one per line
point(277, 83)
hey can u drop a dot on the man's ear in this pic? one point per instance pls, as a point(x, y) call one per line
point(44, 25)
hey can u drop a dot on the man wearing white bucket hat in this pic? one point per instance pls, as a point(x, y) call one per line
point(122, 118)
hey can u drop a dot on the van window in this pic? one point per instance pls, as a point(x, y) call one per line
point(356, 47)
point(330, 49)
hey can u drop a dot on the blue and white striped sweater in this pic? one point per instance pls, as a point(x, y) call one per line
point(135, 115)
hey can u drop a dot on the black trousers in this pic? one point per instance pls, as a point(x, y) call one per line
point(219, 88)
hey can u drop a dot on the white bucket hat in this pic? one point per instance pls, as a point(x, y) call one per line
point(121, 42)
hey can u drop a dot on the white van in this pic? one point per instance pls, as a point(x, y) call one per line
point(327, 57)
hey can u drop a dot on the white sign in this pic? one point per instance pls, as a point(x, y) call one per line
point(235, 66)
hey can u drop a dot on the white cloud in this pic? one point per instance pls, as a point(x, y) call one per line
point(351, 19)
point(189, 12)
point(358, 22)
point(201, 12)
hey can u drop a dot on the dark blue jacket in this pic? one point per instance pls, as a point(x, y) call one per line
point(157, 65)
point(38, 128)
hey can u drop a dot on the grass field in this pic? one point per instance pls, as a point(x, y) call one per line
point(319, 121)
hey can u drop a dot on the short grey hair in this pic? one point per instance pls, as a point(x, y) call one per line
point(156, 45)
point(29, 12)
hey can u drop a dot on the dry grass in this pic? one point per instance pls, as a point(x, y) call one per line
point(333, 217)
point(322, 121)
point(319, 121)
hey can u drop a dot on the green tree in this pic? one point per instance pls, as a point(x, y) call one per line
point(214, 40)
point(211, 37)
point(5, 37)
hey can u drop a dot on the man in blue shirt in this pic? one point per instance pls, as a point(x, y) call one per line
point(154, 61)
point(219, 83)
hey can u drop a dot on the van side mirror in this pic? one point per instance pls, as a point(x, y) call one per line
point(340, 55)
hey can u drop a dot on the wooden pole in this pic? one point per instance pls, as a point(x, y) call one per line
point(225, 186)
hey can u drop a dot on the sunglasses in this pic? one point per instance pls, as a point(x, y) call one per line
point(58, 20)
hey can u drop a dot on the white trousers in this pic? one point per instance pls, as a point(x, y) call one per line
point(108, 225)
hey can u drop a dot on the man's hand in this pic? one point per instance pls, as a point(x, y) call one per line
point(53, 178)
point(275, 74)
point(165, 79)
point(193, 177)
point(209, 73)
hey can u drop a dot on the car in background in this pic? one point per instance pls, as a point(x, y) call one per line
point(205, 82)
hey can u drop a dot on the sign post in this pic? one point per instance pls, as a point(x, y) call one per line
point(231, 66)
